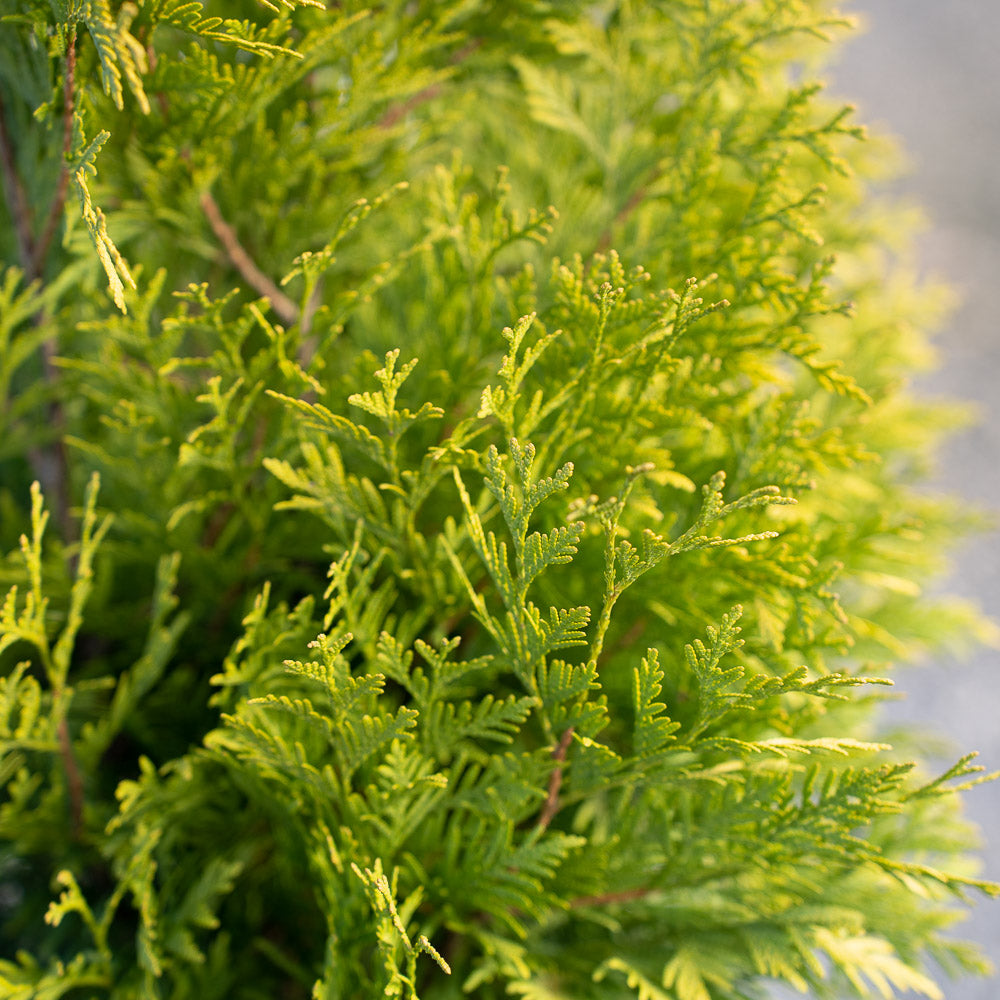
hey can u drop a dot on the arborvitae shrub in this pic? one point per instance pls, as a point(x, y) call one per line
point(545, 667)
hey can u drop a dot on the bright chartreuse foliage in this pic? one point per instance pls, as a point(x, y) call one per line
point(475, 510)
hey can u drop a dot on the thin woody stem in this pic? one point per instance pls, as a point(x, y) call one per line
point(551, 806)
point(59, 201)
point(627, 210)
point(239, 257)
point(610, 898)
point(58, 485)
point(398, 112)
point(74, 780)
point(286, 309)
point(31, 251)
point(20, 210)
point(395, 114)
point(51, 469)
point(50, 466)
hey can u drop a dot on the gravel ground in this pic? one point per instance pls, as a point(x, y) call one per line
point(929, 73)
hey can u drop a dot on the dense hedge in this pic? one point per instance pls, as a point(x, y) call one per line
point(544, 667)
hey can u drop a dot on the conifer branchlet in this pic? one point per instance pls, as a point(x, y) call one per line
point(483, 502)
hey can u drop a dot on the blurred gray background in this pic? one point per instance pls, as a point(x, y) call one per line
point(929, 72)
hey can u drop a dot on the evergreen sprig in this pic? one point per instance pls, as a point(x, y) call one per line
point(468, 606)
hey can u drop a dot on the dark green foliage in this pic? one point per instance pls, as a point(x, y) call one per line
point(436, 600)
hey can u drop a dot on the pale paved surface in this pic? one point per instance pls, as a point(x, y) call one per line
point(930, 72)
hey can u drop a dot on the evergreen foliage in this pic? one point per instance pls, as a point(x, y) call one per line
point(544, 667)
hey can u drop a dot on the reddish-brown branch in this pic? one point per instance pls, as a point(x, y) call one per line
point(74, 782)
point(50, 466)
point(397, 112)
point(32, 252)
point(286, 309)
point(17, 200)
point(58, 485)
point(59, 201)
point(551, 806)
point(61, 502)
point(610, 898)
point(634, 201)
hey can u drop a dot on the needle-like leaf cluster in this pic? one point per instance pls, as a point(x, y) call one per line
point(468, 544)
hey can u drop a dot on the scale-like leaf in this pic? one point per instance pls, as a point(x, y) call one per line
point(653, 730)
